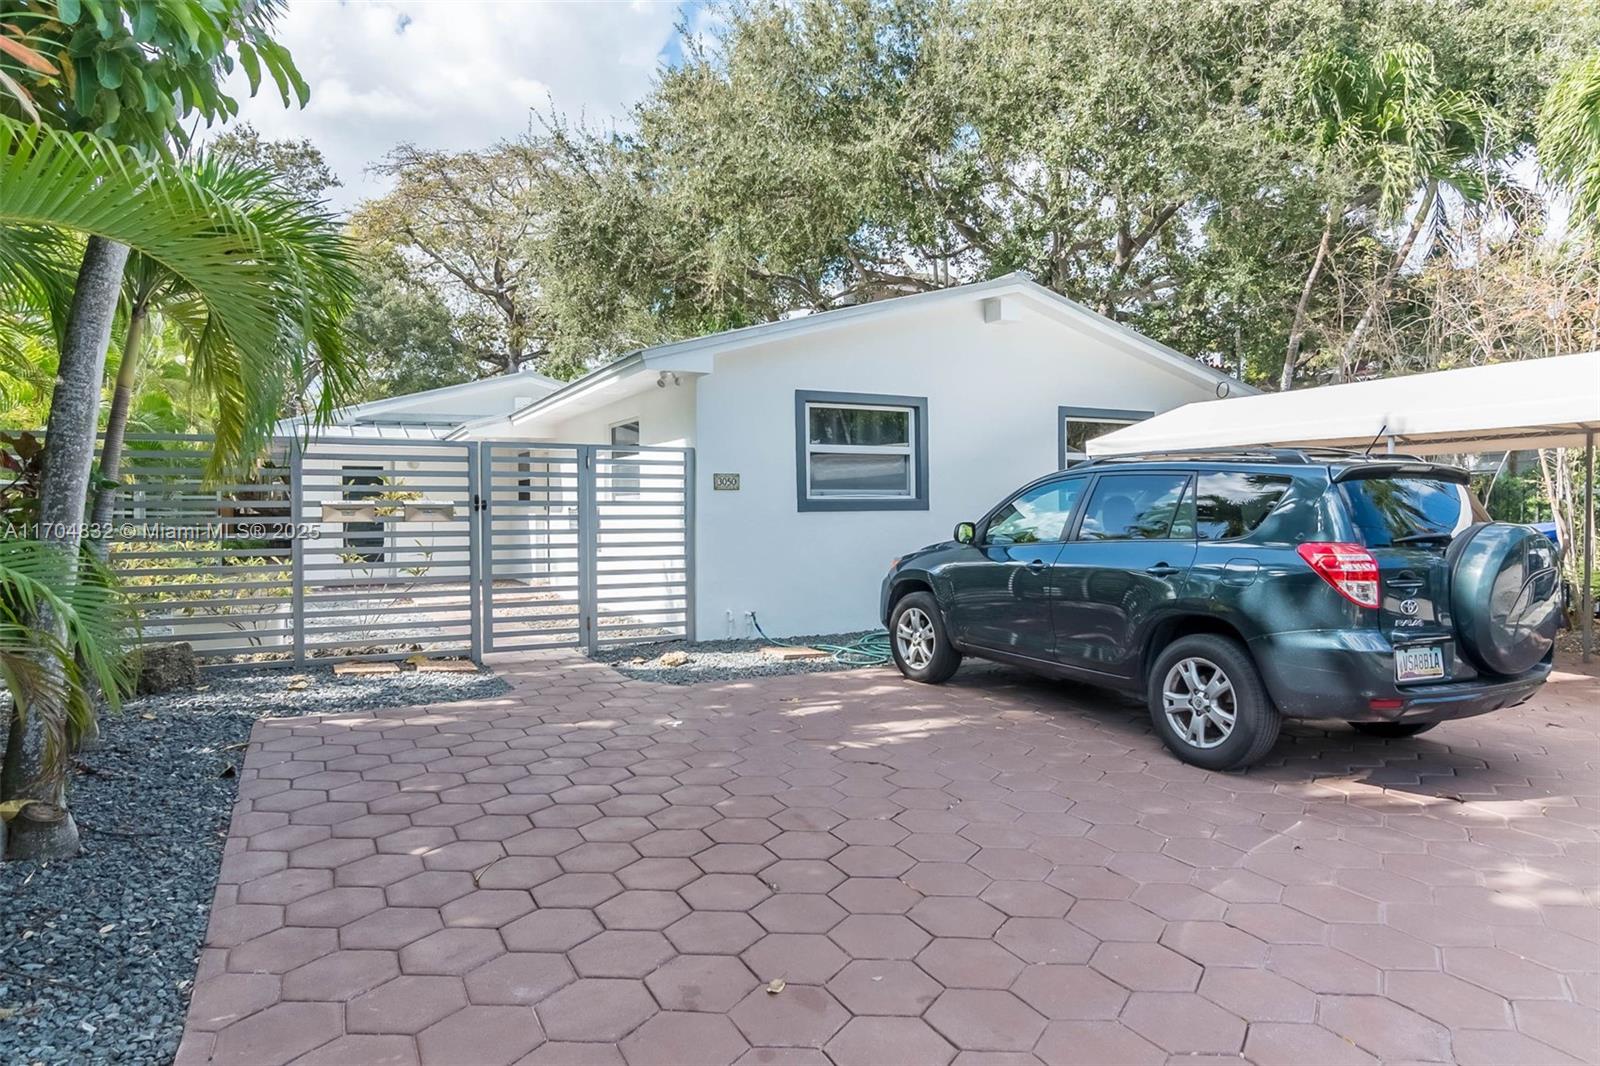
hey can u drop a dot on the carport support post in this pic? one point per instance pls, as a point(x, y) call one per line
point(1588, 545)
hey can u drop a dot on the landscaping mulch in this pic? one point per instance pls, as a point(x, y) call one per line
point(98, 955)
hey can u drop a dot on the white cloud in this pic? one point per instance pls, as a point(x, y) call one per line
point(453, 74)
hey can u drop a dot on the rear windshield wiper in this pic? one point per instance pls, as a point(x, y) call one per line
point(1431, 536)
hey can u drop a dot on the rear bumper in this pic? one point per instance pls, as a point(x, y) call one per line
point(1338, 673)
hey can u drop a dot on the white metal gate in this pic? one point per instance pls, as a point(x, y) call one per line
point(346, 548)
point(584, 544)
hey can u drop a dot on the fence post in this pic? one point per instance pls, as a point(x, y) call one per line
point(588, 548)
point(297, 551)
point(688, 545)
point(476, 536)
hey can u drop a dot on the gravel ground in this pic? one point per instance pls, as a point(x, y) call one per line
point(721, 660)
point(97, 955)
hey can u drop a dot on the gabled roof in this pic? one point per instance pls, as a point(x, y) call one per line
point(435, 404)
point(697, 354)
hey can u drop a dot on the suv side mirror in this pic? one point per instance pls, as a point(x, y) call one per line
point(966, 532)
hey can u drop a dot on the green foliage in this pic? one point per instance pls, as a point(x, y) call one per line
point(270, 276)
point(406, 337)
point(132, 70)
point(1569, 135)
point(1171, 163)
point(469, 228)
point(298, 165)
point(57, 671)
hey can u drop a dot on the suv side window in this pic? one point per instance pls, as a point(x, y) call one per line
point(1139, 507)
point(1232, 503)
point(1040, 514)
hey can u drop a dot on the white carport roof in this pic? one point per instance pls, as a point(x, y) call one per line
point(1537, 403)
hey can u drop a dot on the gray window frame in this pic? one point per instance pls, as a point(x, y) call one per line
point(918, 405)
point(1089, 414)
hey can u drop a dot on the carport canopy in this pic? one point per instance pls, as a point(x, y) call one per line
point(1536, 403)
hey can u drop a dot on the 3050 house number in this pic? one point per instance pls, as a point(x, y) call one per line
point(725, 482)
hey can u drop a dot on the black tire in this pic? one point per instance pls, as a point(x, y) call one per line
point(1392, 730)
point(1255, 720)
point(937, 659)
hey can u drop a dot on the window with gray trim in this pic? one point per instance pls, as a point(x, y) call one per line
point(859, 452)
point(1079, 425)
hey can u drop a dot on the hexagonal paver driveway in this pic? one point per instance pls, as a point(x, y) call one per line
point(592, 869)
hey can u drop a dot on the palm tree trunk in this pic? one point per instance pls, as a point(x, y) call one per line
point(1419, 221)
point(105, 497)
point(68, 457)
point(1297, 331)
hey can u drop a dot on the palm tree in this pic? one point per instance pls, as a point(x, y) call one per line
point(1569, 135)
point(54, 673)
point(266, 304)
point(1396, 135)
point(310, 322)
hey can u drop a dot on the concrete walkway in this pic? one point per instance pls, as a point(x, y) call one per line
point(1002, 870)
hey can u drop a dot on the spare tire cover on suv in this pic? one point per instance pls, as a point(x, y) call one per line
point(1505, 594)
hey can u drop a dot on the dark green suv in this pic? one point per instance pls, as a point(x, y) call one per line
point(1236, 589)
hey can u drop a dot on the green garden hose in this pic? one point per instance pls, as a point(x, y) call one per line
point(869, 650)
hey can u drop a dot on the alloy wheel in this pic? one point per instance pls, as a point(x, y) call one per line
point(1199, 702)
point(914, 637)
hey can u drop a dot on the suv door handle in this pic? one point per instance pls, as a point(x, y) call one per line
point(1036, 565)
point(1163, 570)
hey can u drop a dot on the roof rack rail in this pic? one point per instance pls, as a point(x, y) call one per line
point(1309, 454)
point(1290, 455)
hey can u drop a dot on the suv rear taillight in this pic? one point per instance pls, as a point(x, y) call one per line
point(1349, 568)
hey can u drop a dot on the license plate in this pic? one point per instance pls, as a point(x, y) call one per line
point(1422, 663)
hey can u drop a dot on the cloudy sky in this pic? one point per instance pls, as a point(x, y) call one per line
point(456, 74)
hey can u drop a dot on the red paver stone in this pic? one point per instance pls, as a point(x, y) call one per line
point(277, 1034)
point(596, 1009)
point(961, 963)
point(996, 872)
point(889, 1042)
point(884, 986)
point(672, 1038)
point(801, 958)
point(406, 1004)
point(701, 983)
point(340, 976)
point(985, 1020)
point(799, 1016)
point(491, 1036)
point(451, 951)
point(1184, 1023)
point(520, 977)
point(1069, 992)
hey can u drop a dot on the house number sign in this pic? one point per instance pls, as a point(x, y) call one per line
point(725, 482)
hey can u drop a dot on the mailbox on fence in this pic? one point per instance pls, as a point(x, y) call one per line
point(430, 511)
point(349, 511)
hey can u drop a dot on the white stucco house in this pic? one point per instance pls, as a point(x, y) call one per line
point(827, 445)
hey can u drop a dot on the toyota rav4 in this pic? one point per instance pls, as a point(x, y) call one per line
point(1236, 590)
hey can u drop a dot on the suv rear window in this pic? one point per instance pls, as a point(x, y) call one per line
point(1385, 509)
point(1232, 503)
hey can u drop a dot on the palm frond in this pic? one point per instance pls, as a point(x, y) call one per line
point(273, 271)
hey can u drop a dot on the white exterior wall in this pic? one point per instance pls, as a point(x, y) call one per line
point(993, 392)
point(666, 418)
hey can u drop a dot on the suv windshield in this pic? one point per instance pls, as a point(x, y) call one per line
point(1388, 511)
